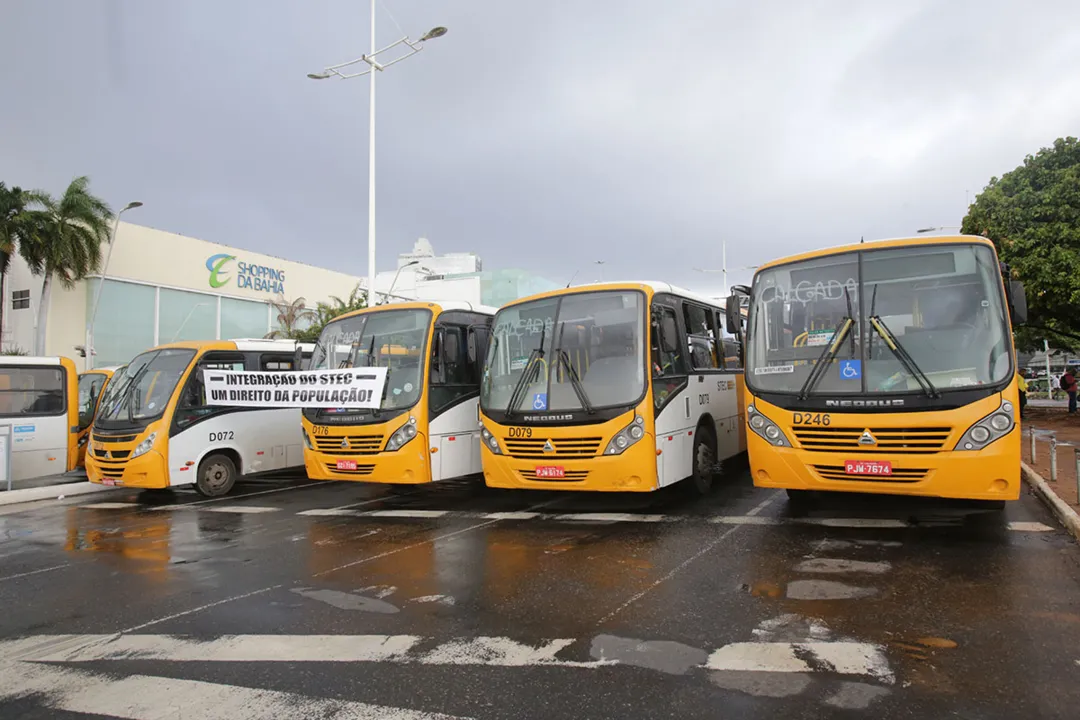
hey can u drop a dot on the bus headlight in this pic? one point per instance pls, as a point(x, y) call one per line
point(993, 427)
point(144, 447)
point(766, 428)
point(490, 441)
point(626, 437)
point(402, 435)
point(307, 441)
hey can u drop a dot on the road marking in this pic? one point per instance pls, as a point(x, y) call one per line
point(207, 606)
point(581, 517)
point(111, 505)
point(838, 565)
point(611, 517)
point(140, 696)
point(405, 513)
point(33, 572)
point(844, 658)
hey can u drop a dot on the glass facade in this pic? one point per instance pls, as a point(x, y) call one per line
point(499, 287)
point(132, 318)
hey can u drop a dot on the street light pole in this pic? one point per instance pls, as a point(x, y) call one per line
point(414, 47)
point(88, 346)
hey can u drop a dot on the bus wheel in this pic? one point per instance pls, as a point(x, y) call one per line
point(801, 498)
point(217, 475)
point(704, 461)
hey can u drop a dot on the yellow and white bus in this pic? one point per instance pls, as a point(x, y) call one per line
point(612, 386)
point(885, 367)
point(155, 429)
point(39, 400)
point(425, 428)
point(92, 385)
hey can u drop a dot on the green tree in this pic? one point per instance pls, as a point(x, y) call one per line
point(1032, 215)
point(64, 242)
point(327, 311)
point(16, 226)
point(290, 315)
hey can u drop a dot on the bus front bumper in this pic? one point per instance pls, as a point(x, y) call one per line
point(989, 474)
point(632, 471)
point(407, 466)
point(149, 470)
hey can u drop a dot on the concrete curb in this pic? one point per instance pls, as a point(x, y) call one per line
point(51, 492)
point(1063, 512)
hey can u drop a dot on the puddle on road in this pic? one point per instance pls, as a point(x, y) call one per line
point(761, 684)
point(348, 601)
point(837, 565)
point(826, 590)
point(855, 696)
point(664, 655)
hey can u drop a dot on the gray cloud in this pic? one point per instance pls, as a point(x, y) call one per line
point(541, 135)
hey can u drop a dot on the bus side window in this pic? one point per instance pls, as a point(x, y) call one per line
point(192, 405)
point(277, 363)
point(702, 340)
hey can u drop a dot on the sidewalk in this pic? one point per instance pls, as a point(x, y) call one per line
point(1053, 421)
point(74, 476)
point(50, 487)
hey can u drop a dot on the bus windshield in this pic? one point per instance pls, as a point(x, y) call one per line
point(141, 391)
point(918, 319)
point(394, 339)
point(582, 351)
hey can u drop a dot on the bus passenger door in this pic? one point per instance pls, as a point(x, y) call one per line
point(453, 404)
point(671, 397)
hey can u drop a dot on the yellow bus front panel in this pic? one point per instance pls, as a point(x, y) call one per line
point(531, 455)
point(919, 449)
point(109, 460)
point(357, 453)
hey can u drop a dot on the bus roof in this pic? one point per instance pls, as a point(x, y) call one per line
point(243, 345)
point(29, 360)
point(877, 244)
point(655, 286)
point(441, 306)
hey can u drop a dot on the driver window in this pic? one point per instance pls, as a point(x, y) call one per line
point(667, 355)
point(192, 405)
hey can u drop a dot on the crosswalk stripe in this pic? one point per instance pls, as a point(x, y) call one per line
point(845, 658)
point(582, 517)
point(141, 696)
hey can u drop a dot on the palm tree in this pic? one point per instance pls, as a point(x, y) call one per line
point(65, 242)
point(16, 225)
point(289, 315)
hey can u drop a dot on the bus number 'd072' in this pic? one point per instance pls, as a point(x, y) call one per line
point(221, 436)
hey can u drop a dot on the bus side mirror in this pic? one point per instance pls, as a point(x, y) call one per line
point(670, 331)
point(297, 358)
point(436, 356)
point(451, 348)
point(1017, 302)
point(471, 346)
point(733, 315)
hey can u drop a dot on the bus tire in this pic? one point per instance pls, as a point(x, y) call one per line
point(801, 498)
point(217, 475)
point(704, 461)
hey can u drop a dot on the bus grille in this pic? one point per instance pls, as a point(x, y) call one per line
point(571, 476)
point(112, 438)
point(354, 444)
point(563, 447)
point(360, 469)
point(113, 469)
point(106, 454)
point(910, 441)
point(899, 475)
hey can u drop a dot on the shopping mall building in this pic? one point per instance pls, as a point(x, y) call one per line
point(161, 287)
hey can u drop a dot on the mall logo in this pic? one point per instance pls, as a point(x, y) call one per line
point(248, 275)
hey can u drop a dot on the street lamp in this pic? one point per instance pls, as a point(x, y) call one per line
point(88, 347)
point(414, 47)
point(386, 295)
point(724, 268)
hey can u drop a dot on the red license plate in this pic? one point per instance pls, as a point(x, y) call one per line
point(107, 481)
point(868, 467)
point(346, 464)
point(551, 471)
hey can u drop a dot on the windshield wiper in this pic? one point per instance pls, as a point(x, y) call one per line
point(562, 358)
point(905, 358)
point(536, 354)
point(130, 391)
point(826, 356)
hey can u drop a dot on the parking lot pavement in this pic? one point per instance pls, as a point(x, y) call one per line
point(298, 599)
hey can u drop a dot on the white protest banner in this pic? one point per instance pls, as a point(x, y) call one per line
point(353, 388)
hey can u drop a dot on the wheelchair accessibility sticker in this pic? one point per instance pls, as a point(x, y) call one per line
point(539, 401)
point(850, 369)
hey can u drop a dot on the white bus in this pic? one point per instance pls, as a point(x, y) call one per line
point(155, 430)
point(39, 401)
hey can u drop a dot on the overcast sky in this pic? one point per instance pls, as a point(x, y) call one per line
point(541, 135)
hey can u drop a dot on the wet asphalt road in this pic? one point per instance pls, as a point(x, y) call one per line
point(297, 600)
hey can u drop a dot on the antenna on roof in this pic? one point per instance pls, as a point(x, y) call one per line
point(862, 239)
point(572, 277)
